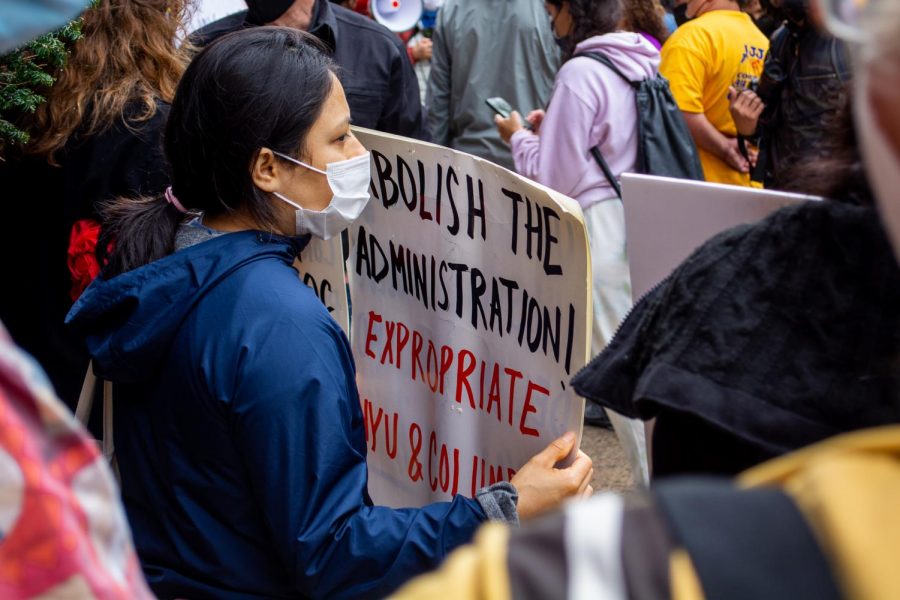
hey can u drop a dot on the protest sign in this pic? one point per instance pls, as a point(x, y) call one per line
point(321, 267)
point(471, 312)
point(667, 219)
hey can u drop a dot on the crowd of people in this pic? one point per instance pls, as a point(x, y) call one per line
point(179, 174)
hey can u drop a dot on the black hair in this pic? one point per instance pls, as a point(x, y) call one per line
point(256, 88)
point(589, 18)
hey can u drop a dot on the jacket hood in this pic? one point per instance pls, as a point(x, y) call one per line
point(631, 52)
point(129, 321)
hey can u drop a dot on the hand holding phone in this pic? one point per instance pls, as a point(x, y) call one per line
point(503, 108)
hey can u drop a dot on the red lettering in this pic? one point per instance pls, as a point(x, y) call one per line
point(529, 408)
point(432, 451)
point(367, 414)
point(446, 362)
point(494, 392)
point(455, 488)
point(402, 340)
point(392, 452)
point(444, 469)
point(417, 355)
point(481, 387)
point(462, 376)
point(375, 425)
point(371, 337)
point(432, 352)
point(513, 375)
point(414, 470)
point(388, 347)
point(495, 475)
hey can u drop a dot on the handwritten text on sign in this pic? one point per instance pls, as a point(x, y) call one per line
point(469, 289)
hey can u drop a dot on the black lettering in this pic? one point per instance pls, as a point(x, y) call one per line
point(550, 239)
point(534, 226)
point(548, 335)
point(419, 275)
point(443, 304)
point(403, 171)
point(534, 325)
point(423, 214)
point(383, 170)
point(460, 269)
point(516, 199)
point(362, 253)
point(496, 313)
point(510, 285)
point(454, 228)
point(475, 213)
point(570, 339)
point(478, 288)
point(398, 265)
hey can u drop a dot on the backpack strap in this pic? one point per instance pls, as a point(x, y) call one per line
point(605, 60)
point(595, 151)
point(83, 414)
point(598, 156)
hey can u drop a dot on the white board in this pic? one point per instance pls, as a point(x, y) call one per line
point(321, 267)
point(667, 219)
point(467, 326)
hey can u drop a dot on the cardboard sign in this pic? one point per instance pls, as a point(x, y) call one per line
point(667, 219)
point(321, 267)
point(471, 312)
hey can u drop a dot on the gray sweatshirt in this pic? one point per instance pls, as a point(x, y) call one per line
point(487, 48)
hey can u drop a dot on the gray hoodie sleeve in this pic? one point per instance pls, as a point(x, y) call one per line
point(499, 502)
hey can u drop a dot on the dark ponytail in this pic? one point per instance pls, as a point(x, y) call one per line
point(138, 231)
point(256, 88)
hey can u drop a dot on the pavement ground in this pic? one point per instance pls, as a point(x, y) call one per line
point(611, 470)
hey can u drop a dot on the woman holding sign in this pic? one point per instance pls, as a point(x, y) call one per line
point(239, 432)
point(592, 107)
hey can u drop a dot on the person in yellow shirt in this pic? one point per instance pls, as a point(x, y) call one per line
point(719, 47)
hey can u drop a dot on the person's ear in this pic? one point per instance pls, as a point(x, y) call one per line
point(266, 171)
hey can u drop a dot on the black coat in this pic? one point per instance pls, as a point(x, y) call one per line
point(379, 81)
point(769, 338)
point(46, 201)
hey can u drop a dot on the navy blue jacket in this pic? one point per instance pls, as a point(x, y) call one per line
point(239, 433)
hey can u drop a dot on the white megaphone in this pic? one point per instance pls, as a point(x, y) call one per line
point(396, 15)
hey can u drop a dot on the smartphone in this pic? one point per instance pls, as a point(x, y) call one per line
point(503, 108)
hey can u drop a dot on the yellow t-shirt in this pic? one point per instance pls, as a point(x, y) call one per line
point(701, 59)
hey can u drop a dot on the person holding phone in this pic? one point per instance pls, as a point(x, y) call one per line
point(238, 427)
point(592, 106)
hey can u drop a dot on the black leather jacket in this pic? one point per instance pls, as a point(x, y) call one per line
point(803, 85)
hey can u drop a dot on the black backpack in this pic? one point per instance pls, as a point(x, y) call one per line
point(665, 146)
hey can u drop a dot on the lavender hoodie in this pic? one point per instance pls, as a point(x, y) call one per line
point(590, 105)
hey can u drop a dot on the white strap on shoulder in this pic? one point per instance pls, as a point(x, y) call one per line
point(86, 398)
point(83, 413)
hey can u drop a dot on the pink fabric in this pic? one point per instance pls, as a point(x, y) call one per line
point(590, 105)
point(171, 199)
point(63, 532)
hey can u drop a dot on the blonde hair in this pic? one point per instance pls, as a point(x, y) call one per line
point(128, 55)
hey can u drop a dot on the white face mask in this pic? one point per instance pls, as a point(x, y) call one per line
point(349, 182)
